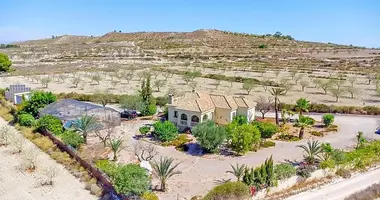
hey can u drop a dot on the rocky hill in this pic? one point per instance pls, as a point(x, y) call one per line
point(205, 47)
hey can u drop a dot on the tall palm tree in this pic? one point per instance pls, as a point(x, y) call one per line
point(312, 151)
point(85, 125)
point(164, 169)
point(276, 92)
point(116, 146)
point(302, 105)
point(238, 171)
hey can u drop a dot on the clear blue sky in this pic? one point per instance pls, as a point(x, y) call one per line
point(354, 22)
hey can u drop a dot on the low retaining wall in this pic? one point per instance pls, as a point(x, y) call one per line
point(104, 182)
point(284, 184)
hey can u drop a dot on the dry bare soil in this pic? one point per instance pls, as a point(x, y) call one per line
point(210, 51)
point(17, 183)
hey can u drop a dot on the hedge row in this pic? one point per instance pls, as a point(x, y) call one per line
point(113, 98)
point(323, 108)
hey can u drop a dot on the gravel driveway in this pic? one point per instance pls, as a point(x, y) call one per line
point(200, 174)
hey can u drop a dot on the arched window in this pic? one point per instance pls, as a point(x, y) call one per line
point(205, 117)
point(194, 118)
point(183, 116)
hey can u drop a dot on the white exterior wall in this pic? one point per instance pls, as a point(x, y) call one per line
point(171, 115)
point(251, 114)
point(177, 120)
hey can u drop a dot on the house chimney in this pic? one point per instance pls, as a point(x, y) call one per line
point(170, 99)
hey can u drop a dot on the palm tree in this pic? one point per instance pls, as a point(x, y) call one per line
point(116, 146)
point(360, 140)
point(312, 151)
point(163, 170)
point(86, 124)
point(302, 105)
point(303, 122)
point(276, 92)
point(238, 171)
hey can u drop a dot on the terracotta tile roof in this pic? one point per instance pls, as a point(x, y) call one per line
point(220, 101)
point(240, 102)
point(249, 102)
point(231, 102)
point(200, 102)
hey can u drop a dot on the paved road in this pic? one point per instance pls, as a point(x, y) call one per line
point(341, 190)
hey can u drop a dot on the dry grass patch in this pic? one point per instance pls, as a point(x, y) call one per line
point(300, 187)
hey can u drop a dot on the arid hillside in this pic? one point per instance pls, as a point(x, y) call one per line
point(203, 47)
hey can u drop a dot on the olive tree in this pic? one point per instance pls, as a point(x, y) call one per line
point(96, 77)
point(337, 92)
point(264, 105)
point(248, 85)
point(45, 81)
point(352, 90)
point(304, 84)
point(159, 84)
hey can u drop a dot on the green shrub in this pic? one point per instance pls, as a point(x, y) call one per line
point(230, 190)
point(179, 142)
point(240, 120)
point(262, 46)
point(338, 156)
point(149, 196)
point(209, 135)
point(267, 129)
point(131, 179)
point(144, 130)
point(288, 137)
point(26, 120)
point(108, 167)
point(72, 138)
point(267, 143)
point(162, 101)
point(306, 119)
point(332, 128)
point(317, 133)
point(284, 170)
point(328, 119)
point(305, 171)
point(327, 164)
point(243, 137)
point(38, 100)
point(51, 123)
point(344, 173)
point(165, 131)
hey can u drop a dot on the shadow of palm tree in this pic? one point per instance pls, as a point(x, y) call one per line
point(292, 162)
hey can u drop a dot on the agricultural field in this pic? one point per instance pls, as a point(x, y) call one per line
point(114, 62)
point(211, 61)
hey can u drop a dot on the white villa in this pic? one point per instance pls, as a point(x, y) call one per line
point(197, 107)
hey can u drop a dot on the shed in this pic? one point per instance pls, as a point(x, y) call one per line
point(68, 110)
point(17, 93)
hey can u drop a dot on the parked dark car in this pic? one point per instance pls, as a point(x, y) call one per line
point(377, 131)
point(128, 114)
